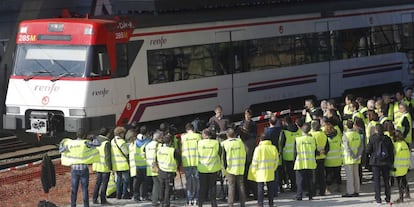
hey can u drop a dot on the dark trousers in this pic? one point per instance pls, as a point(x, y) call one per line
point(304, 178)
point(333, 175)
point(207, 187)
point(166, 182)
point(402, 186)
point(270, 192)
point(236, 180)
point(320, 179)
point(101, 185)
point(81, 176)
point(290, 173)
point(383, 171)
point(140, 184)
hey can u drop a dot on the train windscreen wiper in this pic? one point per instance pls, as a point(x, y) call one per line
point(35, 73)
point(62, 76)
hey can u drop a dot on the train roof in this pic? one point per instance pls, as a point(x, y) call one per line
point(326, 7)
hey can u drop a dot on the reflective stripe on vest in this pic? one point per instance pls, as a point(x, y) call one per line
point(79, 153)
point(235, 156)
point(165, 159)
point(208, 157)
point(189, 148)
point(119, 161)
point(101, 166)
point(402, 158)
point(305, 149)
point(334, 155)
point(321, 141)
point(354, 141)
point(150, 154)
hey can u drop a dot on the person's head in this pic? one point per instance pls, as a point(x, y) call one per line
point(164, 127)
point(372, 115)
point(287, 121)
point(389, 126)
point(230, 133)
point(120, 131)
point(371, 104)
point(329, 128)
point(386, 97)
point(359, 124)
point(81, 133)
point(378, 103)
point(219, 111)
point(299, 122)
point(131, 135)
point(349, 98)
point(248, 114)
point(104, 131)
point(167, 139)
point(380, 111)
point(398, 136)
point(316, 125)
point(331, 104)
point(309, 103)
point(399, 96)
point(349, 124)
point(143, 130)
point(264, 137)
point(306, 128)
point(189, 127)
point(157, 136)
point(353, 107)
point(273, 120)
point(361, 102)
point(324, 105)
point(207, 134)
point(379, 129)
point(402, 107)
point(408, 92)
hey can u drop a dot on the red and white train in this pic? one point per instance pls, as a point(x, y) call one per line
point(93, 72)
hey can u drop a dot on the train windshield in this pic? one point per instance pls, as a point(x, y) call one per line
point(51, 60)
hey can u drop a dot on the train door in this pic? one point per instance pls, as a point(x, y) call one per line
point(232, 60)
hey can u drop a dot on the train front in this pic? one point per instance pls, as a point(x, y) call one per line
point(50, 90)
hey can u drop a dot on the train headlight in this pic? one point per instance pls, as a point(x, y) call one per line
point(88, 31)
point(77, 112)
point(23, 30)
point(13, 110)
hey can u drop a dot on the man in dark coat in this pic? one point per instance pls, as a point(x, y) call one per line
point(381, 165)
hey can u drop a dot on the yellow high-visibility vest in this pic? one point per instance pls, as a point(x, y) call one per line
point(166, 160)
point(119, 160)
point(305, 149)
point(235, 155)
point(208, 156)
point(321, 140)
point(101, 166)
point(402, 158)
point(400, 127)
point(189, 148)
point(78, 153)
point(354, 141)
point(334, 155)
point(150, 155)
point(264, 163)
point(287, 151)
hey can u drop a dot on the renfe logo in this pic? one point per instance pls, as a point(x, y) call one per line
point(161, 41)
point(102, 92)
point(47, 89)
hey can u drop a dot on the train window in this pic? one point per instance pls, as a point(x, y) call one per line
point(184, 63)
point(384, 39)
point(406, 36)
point(100, 62)
point(121, 60)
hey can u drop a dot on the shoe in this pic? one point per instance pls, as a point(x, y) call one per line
point(407, 195)
point(126, 197)
point(347, 195)
point(105, 203)
point(298, 199)
point(355, 195)
point(398, 200)
point(95, 202)
point(321, 194)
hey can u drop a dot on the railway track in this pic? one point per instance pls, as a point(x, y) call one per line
point(14, 152)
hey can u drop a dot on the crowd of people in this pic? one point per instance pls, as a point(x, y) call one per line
point(292, 154)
